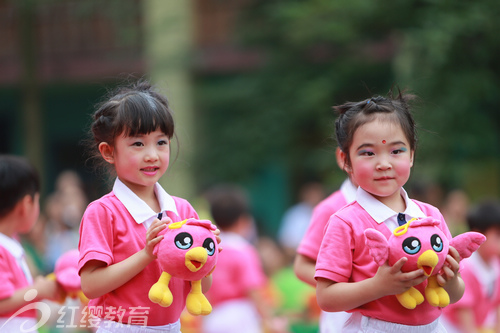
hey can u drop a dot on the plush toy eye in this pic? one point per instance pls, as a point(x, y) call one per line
point(411, 245)
point(437, 243)
point(209, 245)
point(183, 240)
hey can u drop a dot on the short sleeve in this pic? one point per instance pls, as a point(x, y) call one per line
point(336, 252)
point(96, 235)
point(311, 242)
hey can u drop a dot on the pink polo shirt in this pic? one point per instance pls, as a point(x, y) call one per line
point(112, 231)
point(482, 292)
point(343, 257)
point(12, 276)
point(311, 242)
point(238, 271)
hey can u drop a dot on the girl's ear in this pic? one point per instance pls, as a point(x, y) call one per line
point(106, 152)
point(412, 154)
point(342, 161)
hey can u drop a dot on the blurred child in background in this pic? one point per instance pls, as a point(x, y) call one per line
point(478, 310)
point(307, 252)
point(239, 281)
point(296, 218)
point(19, 210)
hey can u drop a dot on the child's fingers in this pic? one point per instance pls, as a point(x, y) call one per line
point(452, 263)
point(156, 227)
point(155, 241)
point(398, 265)
point(454, 253)
point(414, 277)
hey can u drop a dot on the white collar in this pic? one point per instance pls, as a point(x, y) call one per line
point(140, 210)
point(348, 190)
point(16, 250)
point(380, 212)
point(12, 245)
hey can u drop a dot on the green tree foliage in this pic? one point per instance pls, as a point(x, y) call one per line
point(319, 53)
point(450, 58)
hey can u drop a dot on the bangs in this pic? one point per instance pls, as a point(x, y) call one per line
point(140, 114)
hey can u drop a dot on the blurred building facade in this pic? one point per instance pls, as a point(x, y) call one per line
point(59, 57)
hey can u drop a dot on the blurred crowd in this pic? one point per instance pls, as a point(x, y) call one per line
point(263, 284)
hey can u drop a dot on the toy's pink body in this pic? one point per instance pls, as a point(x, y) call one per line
point(188, 251)
point(426, 247)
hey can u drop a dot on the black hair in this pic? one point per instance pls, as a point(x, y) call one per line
point(484, 215)
point(18, 178)
point(130, 110)
point(227, 204)
point(352, 115)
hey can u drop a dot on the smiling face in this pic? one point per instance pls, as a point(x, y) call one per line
point(380, 159)
point(140, 160)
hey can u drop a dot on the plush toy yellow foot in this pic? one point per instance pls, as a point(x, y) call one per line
point(435, 294)
point(196, 303)
point(410, 298)
point(159, 292)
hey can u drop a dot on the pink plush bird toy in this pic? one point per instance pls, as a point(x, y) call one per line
point(66, 275)
point(188, 251)
point(426, 247)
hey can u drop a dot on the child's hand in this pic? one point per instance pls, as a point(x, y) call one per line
point(48, 288)
point(217, 237)
point(393, 281)
point(449, 271)
point(152, 237)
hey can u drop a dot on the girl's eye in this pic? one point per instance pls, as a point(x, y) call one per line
point(163, 142)
point(366, 153)
point(137, 144)
point(183, 241)
point(399, 151)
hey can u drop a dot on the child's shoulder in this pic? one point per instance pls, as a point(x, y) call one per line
point(427, 209)
point(351, 208)
point(184, 208)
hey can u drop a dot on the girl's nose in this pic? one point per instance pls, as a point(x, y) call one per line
point(151, 155)
point(383, 165)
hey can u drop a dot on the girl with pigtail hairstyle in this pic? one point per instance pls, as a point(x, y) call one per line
point(131, 133)
point(377, 138)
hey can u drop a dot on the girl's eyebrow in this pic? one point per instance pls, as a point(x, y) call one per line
point(398, 143)
point(365, 145)
point(370, 145)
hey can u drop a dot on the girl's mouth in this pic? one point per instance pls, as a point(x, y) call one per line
point(150, 170)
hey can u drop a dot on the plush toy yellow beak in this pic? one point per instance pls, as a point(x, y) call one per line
point(428, 261)
point(196, 258)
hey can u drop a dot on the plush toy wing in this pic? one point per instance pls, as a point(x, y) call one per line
point(378, 245)
point(467, 243)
